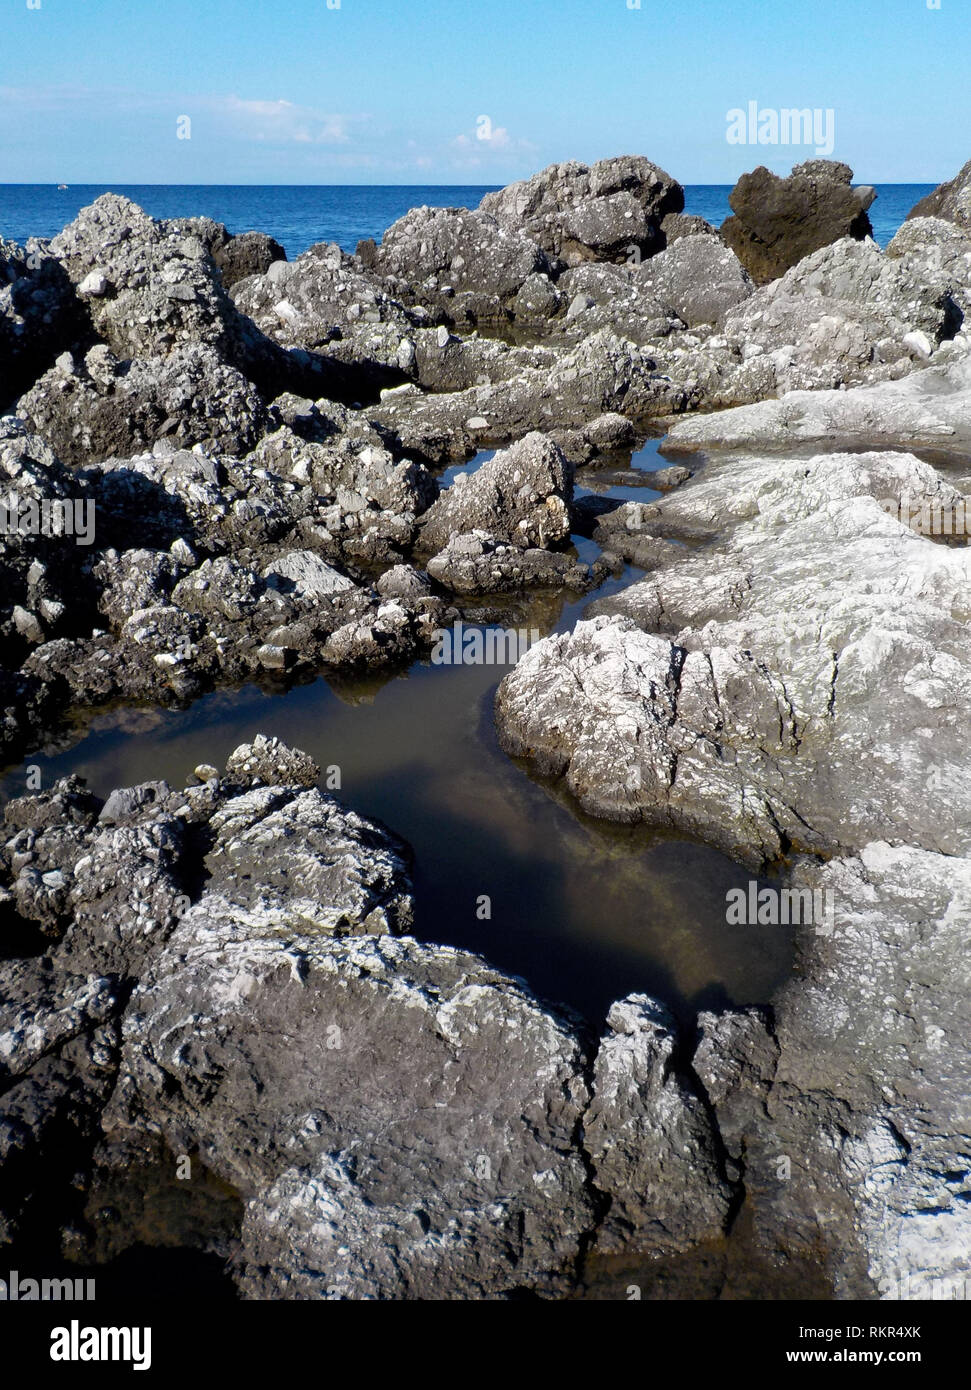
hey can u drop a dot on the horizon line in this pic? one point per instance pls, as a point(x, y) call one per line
point(689, 183)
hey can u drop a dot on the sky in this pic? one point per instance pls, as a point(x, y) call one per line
point(473, 91)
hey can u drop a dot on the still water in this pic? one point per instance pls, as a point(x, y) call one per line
point(584, 911)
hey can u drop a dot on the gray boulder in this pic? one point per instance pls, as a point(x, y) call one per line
point(522, 495)
point(611, 210)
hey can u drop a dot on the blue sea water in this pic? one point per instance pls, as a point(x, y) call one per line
point(299, 216)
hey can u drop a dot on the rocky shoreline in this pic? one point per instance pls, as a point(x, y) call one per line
point(222, 467)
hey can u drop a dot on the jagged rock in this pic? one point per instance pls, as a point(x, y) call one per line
point(697, 278)
point(101, 407)
point(843, 315)
point(934, 250)
point(49, 525)
point(950, 201)
point(931, 408)
point(246, 254)
point(403, 581)
point(611, 210)
point(165, 291)
point(40, 316)
point(325, 301)
point(306, 574)
point(272, 762)
point(551, 392)
point(850, 1112)
point(521, 495)
point(237, 256)
point(614, 298)
point(650, 1141)
point(675, 225)
point(734, 696)
point(476, 563)
point(777, 221)
point(405, 1204)
point(462, 264)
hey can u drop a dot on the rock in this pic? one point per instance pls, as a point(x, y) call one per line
point(777, 222)
point(935, 250)
point(270, 761)
point(611, 210)
point(104, 407)
point(247, 253)
point(41, 316)
point(306, 574)
point(931, 408)
point(675, 225)
point(650, 1141)
point(402, 1203)
point(165, 288)
point(733, 696)
point(476, 563)
point(842, 314)
point(49, 522)
point(484, 264)
point(552, 391)
point(325, 302)
point(860, 1082)
point(666, 479)
point(403, 581)
point(521, 495)
point(168, 294)
point(950, 201)
point(96, 285)
point(697, 278)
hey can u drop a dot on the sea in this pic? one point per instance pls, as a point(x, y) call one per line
point(298, 216)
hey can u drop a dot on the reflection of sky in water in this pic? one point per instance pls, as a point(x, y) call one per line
point(584, 911)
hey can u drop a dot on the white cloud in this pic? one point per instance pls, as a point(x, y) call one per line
point(282, 121)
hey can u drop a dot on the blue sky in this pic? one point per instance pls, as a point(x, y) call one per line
point(470, 91)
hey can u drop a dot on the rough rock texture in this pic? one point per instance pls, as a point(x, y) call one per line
point(779, 221)
point(649, 1139)
point(465, 264)
point(476, 563)
point(325, 301)
point(40, 315)
point(846, 314)
point(521, 495)
point(365, 1116)
point(398, 1118)
point(930, 408)
point(552, 391)
point(950, 201)
point(849, 1112)
point(611, 210)
point(101, 407)
point(934, 250)
point(697, 278)
point(736, 694)
point(147, 287)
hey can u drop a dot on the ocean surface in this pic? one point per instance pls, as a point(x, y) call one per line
point(299, 216)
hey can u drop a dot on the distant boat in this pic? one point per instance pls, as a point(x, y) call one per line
point(62, 185)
